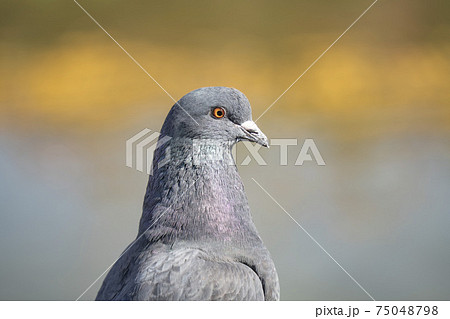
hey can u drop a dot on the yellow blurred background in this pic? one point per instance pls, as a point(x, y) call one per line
point(377, 105)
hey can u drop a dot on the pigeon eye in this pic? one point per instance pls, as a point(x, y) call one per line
point(218, 112)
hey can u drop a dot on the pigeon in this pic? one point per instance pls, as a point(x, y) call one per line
point(196, 238)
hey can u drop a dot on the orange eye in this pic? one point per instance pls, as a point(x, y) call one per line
point(218, 112)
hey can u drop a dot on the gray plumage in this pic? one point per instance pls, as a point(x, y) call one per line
point(196, 238)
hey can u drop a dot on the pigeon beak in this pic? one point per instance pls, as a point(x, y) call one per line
point(253, 133)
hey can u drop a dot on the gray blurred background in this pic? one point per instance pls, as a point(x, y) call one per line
point(377, 106)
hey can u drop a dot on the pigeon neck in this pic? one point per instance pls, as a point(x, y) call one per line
point(196, 194)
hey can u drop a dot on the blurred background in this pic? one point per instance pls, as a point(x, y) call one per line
point(377, 106)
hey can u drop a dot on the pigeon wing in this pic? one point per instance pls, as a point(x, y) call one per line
point(190, 274)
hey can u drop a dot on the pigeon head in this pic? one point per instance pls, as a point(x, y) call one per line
point(214, 113)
